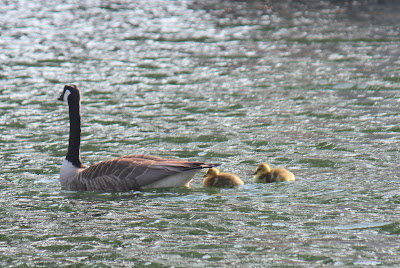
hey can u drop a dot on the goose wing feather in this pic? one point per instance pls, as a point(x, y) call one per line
point(131, 172)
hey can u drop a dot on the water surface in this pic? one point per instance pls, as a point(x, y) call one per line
point(311, 87)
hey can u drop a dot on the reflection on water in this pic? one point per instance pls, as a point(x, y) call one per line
point(312, 86)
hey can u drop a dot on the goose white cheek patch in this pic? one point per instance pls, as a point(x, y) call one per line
point(66, 94)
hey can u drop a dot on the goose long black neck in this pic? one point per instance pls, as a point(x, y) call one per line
point(74, 153)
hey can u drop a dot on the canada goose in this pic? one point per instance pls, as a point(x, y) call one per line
point(266, 175)
point(216, 179)
point(131, 172)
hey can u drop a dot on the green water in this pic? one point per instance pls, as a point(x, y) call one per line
point(311, 87)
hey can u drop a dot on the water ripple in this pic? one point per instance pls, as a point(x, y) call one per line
point(309, 86)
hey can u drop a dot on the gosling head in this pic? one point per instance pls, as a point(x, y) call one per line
point(212, 173)
point(262, 169)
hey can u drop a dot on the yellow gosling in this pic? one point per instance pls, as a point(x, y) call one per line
point(265, 174)
point(223, 180)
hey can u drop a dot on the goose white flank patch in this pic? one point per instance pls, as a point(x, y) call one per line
point(125, 173)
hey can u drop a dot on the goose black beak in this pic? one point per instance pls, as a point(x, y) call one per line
point(61, 98)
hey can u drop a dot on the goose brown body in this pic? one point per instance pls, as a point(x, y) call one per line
point(265, 174)
point(216, 179)
point(133, 172)
point(126, 173)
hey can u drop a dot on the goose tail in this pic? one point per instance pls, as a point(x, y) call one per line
point(209, 165)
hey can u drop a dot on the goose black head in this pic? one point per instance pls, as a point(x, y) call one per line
point(69, 90)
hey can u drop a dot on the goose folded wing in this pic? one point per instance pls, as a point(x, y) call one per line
point(131, 172)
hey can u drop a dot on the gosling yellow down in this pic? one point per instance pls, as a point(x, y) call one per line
point(223, 180)
point(265, 174)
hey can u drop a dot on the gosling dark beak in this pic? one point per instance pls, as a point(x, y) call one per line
point(255, 173)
